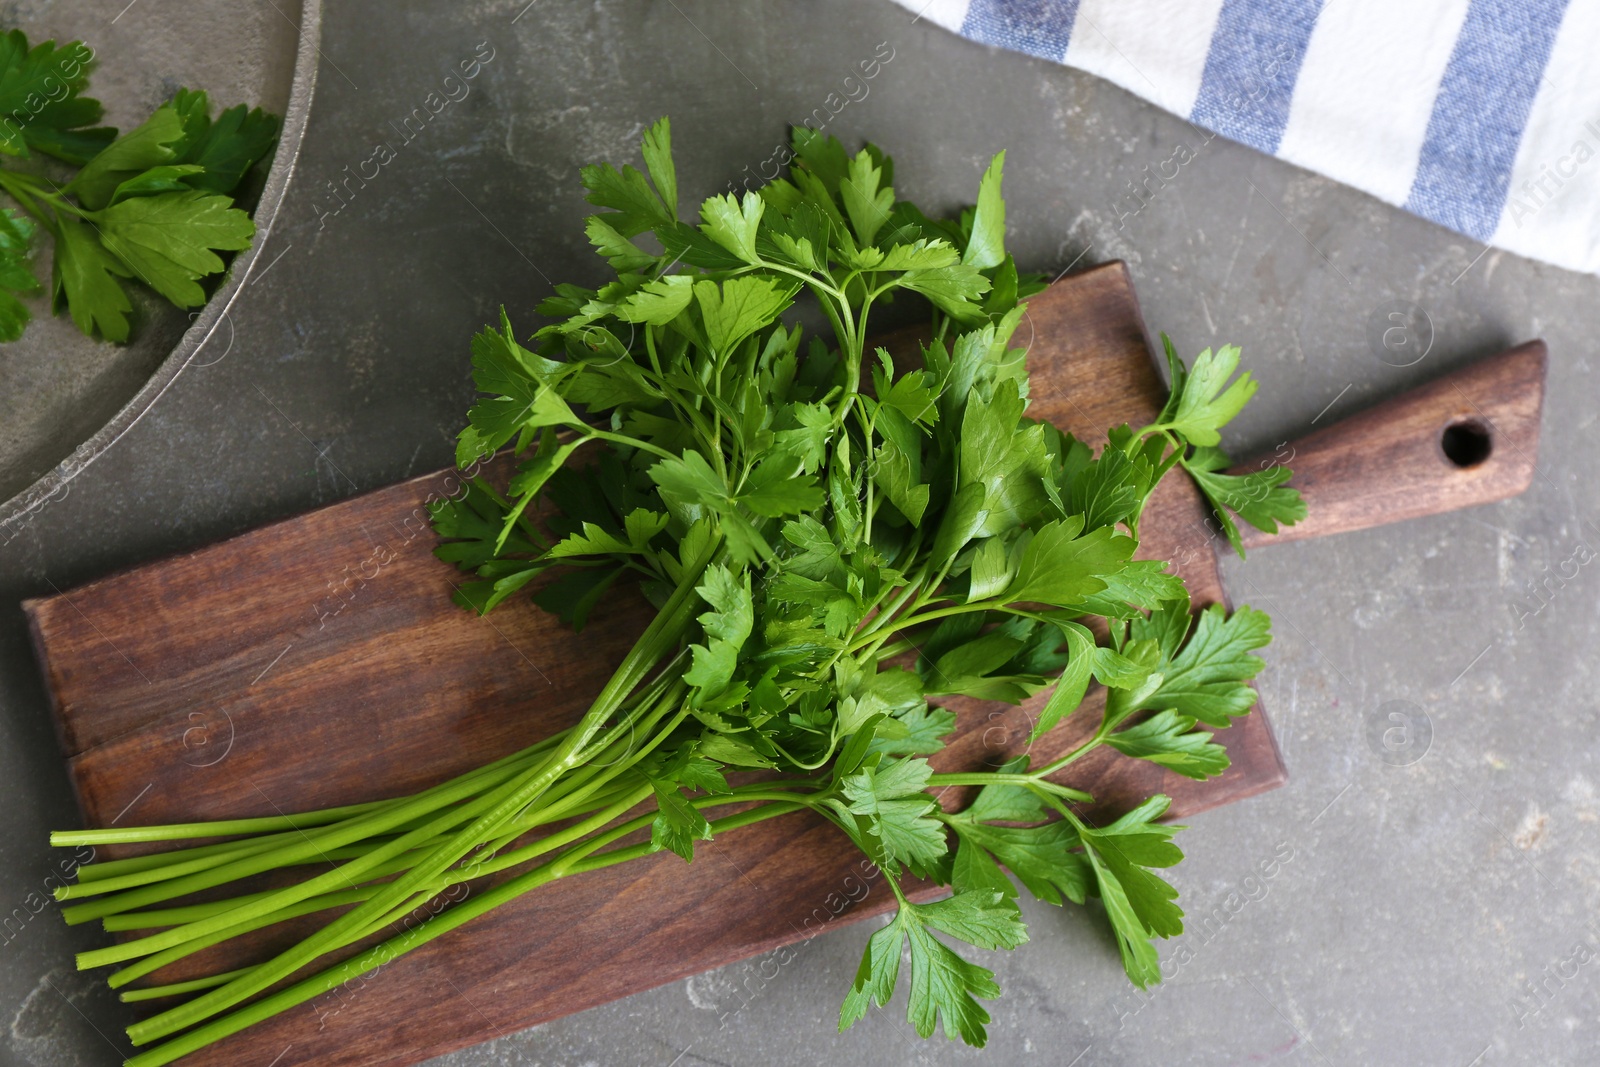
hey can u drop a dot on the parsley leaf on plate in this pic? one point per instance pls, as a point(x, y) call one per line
point(16, 273)
point(41, 91)
point(85, 282)
point(148, 205)
point(152, 143)
point(225, 148)
point(167, 240)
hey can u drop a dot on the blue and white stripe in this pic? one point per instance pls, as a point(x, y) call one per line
point(1481, 115)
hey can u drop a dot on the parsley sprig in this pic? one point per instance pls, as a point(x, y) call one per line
point(151, 205)
point(1201, 402)
point(834, 540)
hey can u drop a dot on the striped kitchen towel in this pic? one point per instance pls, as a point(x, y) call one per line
point(1481, 115)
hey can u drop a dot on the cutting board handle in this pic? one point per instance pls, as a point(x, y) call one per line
point(1470, 437)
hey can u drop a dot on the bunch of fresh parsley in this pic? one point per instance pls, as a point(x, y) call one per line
point(151, 205)
point(833, 542)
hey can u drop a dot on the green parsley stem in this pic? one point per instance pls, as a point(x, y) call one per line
point(436, 926)
point(1031, 780)
point(1076, 754)
point(455, 799)
point(290, 825)
point(175, 988)
point(629, 442)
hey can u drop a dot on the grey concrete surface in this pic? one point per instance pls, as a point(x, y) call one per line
point(1436, 912)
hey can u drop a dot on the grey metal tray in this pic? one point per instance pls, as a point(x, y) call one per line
point(65, 398)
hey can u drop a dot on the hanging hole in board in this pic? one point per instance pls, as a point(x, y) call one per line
point(1466, 442)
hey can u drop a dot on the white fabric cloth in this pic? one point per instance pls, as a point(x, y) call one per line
point(1481, 115)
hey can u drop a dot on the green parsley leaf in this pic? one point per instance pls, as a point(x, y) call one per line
point(991, 572)
point(1005, 455)
point(919, 731)
point(690, 483)
point(682, 243)
point(236, 141)
point(1106, 490)
point(1208, 679)
point(726, 750)
point(914, 395)
point(1142, 585)
point(1043, 858)
point(167, 239)
point(637, 206)
point(897, 470)
point(1129, 668)
point(987, 246)
point(1059, 566)
point(658, 302)
point(944, 987)
point(573, 595)
point(621, 253)
point(953, 289)
point(1172, 741)
point(969, 670)
point(739, 307)
point(40, 97)
point(642, 525)
point(807, 439)
point(476, 528)
point(16, 272)
point(866, 201)
point(1138, 902)
point(727, 626)
point(85, 282)
point(732, 224)
point(520, 394)
point(151, 198)
point(1259, 498)
point(165, 179)
point(897, 813)
point(777, 488)
point(980, 919)
point(1074, 679)
point(678, 824)
point(921, 254)
point(152, 143)
point(657, 151)
point(1205, 401)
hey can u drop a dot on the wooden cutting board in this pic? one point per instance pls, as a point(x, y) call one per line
point(318, 661)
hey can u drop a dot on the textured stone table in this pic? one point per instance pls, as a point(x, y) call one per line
point(1413, 907)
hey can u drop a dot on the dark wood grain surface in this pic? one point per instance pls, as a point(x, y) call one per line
point(318, 661)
